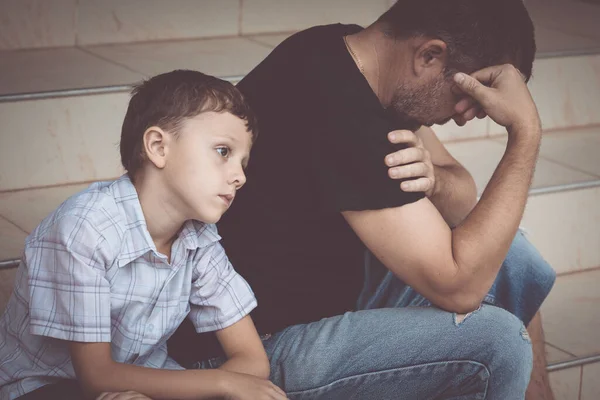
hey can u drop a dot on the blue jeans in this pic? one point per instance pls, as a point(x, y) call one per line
point(398, 347)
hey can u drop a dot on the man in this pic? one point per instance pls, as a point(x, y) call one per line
point(319, 193)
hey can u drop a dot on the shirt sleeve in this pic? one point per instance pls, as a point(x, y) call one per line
point(220, 297)
point(349, 139)
point(69, 297)
point(348, 161)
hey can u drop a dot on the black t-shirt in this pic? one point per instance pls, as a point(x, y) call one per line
point(320, 150)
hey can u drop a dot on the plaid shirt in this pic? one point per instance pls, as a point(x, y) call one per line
point(91, 273)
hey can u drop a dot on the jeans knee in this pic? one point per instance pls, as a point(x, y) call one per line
point(511, 358)
point(523, 253)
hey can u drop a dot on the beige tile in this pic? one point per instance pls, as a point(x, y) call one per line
point(572, 313)
point(261, 16)
point(573, 17)
point(551, 42)
point(58, 141)
point(578, 149)
point(7, 281)
point(564, 228)
point(27, 208)
point(590, 386)
point(271, 40)
point(567, 91)
point(565, 383)
point(477, 128)
point(37, 23)
point(481, 157)
point(220, 57)
point(64, 68)
point(12, 240)
point(554, 355)
point(115, 21)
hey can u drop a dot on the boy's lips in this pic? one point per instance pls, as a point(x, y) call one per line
point(227, 198)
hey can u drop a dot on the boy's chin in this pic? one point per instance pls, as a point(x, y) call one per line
point(210, 219)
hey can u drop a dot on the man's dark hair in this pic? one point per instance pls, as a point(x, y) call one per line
point(167, 100)
point(478, 33)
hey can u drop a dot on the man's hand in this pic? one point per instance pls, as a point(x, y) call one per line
point(123, 396)
point(503, 95)
point(249, 387)
point(413, 163)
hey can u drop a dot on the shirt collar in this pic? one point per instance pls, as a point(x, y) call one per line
point(193, 235)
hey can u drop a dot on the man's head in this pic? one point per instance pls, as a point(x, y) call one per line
point(190, 134)
point(442, 37)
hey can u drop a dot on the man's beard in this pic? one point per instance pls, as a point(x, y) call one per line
point(413, 107)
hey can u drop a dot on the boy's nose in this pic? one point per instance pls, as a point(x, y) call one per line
point(238, 178)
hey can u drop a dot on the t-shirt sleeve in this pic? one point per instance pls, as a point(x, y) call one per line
point(220, 297)
point(69, 297)
point(348, 153)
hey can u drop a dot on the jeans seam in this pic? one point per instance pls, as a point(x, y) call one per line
point(349, 379)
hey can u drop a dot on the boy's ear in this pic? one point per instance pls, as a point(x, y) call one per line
point(156, 146)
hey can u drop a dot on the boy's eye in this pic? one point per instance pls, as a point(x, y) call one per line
point(223, 151)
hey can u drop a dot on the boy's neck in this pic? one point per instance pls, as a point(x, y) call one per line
point(162, 219)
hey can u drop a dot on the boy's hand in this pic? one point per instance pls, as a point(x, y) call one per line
point(412, 163)
point(248, 387)
point(123, 396)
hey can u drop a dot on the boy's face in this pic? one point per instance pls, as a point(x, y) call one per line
point(206, 164)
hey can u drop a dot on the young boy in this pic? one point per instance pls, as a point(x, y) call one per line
point(109, 276)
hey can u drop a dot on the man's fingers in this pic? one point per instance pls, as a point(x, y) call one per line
point(417, 185)
point(470, 86)
point(464, 104)
point(409, 171)
point(405, 156)
point(470, 114)
point(403, 136)
point(481, 114)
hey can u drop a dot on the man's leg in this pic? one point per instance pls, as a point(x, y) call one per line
point(412, 353)
point(539, 385)
point(523, 283)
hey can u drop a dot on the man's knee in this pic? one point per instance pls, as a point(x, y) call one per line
point(509, 354)
point(523, 253)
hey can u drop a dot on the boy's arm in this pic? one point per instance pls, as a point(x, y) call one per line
point(244, 349)
point(97, 373)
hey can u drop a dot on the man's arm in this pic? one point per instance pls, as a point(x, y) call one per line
point(455, 268)
point(432, 170)
point(454, 193)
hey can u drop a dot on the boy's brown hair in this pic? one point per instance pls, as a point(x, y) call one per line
point(167, 100)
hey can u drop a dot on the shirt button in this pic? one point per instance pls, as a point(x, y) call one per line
point(150, 328)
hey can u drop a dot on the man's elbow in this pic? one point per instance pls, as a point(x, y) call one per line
point(462, 304)
point(457, 300)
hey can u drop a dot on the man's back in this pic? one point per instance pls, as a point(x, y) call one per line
point(286, 234)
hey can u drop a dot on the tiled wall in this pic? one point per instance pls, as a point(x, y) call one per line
point(56, 23)
point(58, 141)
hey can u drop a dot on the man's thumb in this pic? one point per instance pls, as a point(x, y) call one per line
point(469, 85)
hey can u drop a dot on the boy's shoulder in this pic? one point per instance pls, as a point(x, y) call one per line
point(94, 209)
point(199, 234)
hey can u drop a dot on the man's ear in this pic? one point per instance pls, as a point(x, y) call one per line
point(430, 57)
point(156, 146)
